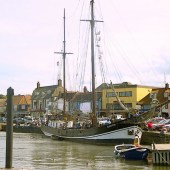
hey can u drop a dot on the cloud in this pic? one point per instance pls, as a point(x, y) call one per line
point(135, 43)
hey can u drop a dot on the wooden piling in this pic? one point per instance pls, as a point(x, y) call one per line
point(9, 129)
point(161, 154)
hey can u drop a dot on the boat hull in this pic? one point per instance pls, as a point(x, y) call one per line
point(108, 134)
point(135, 153)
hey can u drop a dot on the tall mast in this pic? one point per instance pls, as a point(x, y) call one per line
point(64, 58)
point(92, 23)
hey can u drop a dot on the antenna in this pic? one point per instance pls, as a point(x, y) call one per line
point(164, 78)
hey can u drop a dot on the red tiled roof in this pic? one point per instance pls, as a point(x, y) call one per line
point(22, 99)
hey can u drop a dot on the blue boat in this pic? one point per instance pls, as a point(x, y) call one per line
point(131, 151)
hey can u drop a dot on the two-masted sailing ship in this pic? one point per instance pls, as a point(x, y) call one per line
point(114, 132)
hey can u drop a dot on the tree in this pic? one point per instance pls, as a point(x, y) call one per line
point(2, 96)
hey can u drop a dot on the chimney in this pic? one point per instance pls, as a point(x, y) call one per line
point(60, 82)
point(85, 89)
point(38, 85)
point(167, 85)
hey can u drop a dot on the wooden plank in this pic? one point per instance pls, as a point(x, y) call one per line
point(164, 157)
point(162, 147)
point(160, 157)
point(153, 157)
point(157, 157)
point(168, 153)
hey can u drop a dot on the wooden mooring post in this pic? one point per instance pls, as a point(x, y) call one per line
point(161, 154)
point(9, 132)
point(9, 128)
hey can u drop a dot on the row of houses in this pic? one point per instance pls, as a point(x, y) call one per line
point(21, 106)
point(50, 99)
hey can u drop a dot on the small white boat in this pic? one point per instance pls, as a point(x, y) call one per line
point(131, 151)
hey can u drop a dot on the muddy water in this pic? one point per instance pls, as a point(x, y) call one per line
point(37, 152)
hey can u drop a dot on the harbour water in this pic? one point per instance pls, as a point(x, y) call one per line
point(35, 152)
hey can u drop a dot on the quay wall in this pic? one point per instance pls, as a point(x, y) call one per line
point(1, 126)
point(23, 129)
point(150, 137)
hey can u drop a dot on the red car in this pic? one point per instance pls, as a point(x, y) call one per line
point(152, 121)
point(159, 125)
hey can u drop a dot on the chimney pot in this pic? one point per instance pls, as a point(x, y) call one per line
point(38, 85)
point(60, 82)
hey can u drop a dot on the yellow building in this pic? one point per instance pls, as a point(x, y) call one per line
point(129, 95)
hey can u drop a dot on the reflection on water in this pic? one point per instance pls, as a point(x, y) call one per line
point(35, 152)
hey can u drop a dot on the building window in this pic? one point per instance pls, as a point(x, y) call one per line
point(166, 106)
point(153, 95)
point(166, 94)
point(109, 106)
point(23, 107)
point(128, 105)
point(117, 106)
point(34, 105)
point(125, 94)
point(40, 104)
point(110, 94)
point(15, 107)
point(47, 103)
point(146, 107)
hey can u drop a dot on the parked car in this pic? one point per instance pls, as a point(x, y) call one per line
point(28, 119)
point(159, 125)
point(18, 120)
point(2, 120)
point(152, 121)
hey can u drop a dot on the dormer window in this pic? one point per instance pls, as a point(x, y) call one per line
point(165, 94)
point(153, 95)
point(23, 107)
point(49, 92)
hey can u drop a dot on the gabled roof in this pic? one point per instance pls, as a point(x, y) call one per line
point(82, 97)
point(43, 92)
point(17, 99)
point(22, 99)
point(102, 86)
point(159, 95)
point(28, 99)
point(121, 85)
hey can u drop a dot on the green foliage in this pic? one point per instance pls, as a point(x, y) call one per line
point(2, 96)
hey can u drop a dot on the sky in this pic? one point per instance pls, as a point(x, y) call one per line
point(134, 42)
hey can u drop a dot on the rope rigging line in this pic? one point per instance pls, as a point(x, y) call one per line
point(83, 59)
point(78, 55)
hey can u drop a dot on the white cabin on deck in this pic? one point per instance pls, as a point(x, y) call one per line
point(60, 124)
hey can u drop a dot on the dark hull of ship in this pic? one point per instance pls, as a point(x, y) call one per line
point(108, 134)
